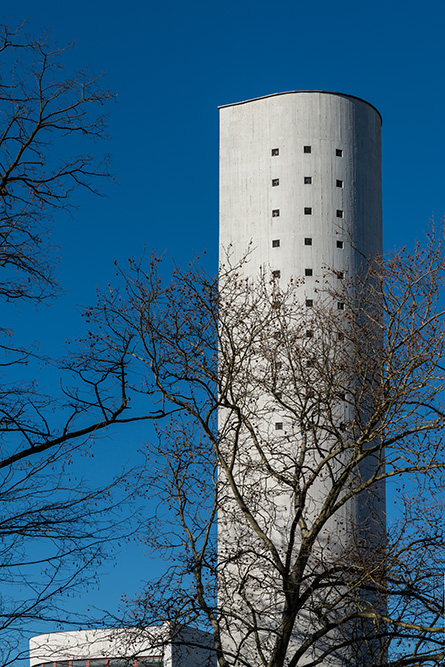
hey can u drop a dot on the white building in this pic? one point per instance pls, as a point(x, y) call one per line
point(300, 198)
point(132, 647)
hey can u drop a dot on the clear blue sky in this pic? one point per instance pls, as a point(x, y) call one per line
point(172, 63)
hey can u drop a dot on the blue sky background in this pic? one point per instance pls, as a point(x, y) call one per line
point(172, 64)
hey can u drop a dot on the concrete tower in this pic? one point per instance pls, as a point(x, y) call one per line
point(300, 193)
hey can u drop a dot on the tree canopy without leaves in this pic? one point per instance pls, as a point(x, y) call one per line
point(289, 422)
point(52, 527)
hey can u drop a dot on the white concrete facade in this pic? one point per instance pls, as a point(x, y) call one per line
point(122, 647)
point(300, 189)
point(326, 122)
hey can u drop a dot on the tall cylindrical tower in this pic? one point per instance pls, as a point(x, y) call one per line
point(297, 167)
point(300, 200)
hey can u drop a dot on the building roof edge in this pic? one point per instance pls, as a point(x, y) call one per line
point(291, 92)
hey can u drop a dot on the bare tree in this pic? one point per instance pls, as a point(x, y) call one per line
point(46, 118)
point(52, 527)
point(289, 423)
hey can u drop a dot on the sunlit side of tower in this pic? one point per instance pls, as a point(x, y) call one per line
point(300, 193)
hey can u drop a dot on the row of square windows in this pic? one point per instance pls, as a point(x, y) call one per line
point(307, 181)
point(307, 241)
point(307, 272)
point(106, 662)
point(307, 211)
point(279, 425)
point(307, 149)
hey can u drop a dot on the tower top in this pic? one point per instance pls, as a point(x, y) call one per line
point(293, 92)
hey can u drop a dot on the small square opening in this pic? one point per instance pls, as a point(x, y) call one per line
point(275, 151)
point(307, 180)
point(276, 274)
point(307, 210)
point(276, 213)
point(339, 183)
point(278, 426)
point(338, 152)
point(307, 149)
point(340, 244)
point(275, 182)
point(308, 272)
point(340, 305)
point(339, 213)
point(309, 303)
point(307, 241)
point(276, 243)
point(309, 333)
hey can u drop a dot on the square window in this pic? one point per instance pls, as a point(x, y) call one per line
point(307, 180)
point(307, 149)
point(338, 152)
point(309, 303)
point(276, 274)
point(307, 210)
point(339, 183)
point(340, 274)
point(275, 213)
point(308, 241)
point(342, 396)
point(275, 151)
point(309, 333)
point(308, 272)
point(340, 335)
point(278, 426)
point(278, 394)
point(278, 365)
point(340, 244)
point(276, 243)
point(275, 182)
point(310, 362)
point(339, 213)
point(340, 305)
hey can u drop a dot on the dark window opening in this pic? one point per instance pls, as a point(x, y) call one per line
point(278, 395)
point(276, 243)
point(308, 272)
point(307, 149)
point(278, 426)
point(276, 274)
point(339, 213)
point(307, 241)
point(342, 396)
point(307, 210)
point(340, 305)
point(339, 183)
point(275, 182)
point(338, 152)
point(339, 244)
point(340, 274)
point(309, 333)
point(307, 180)
point(275, 213)
point(309, 303)
point(340, 336)
point(275, 151)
